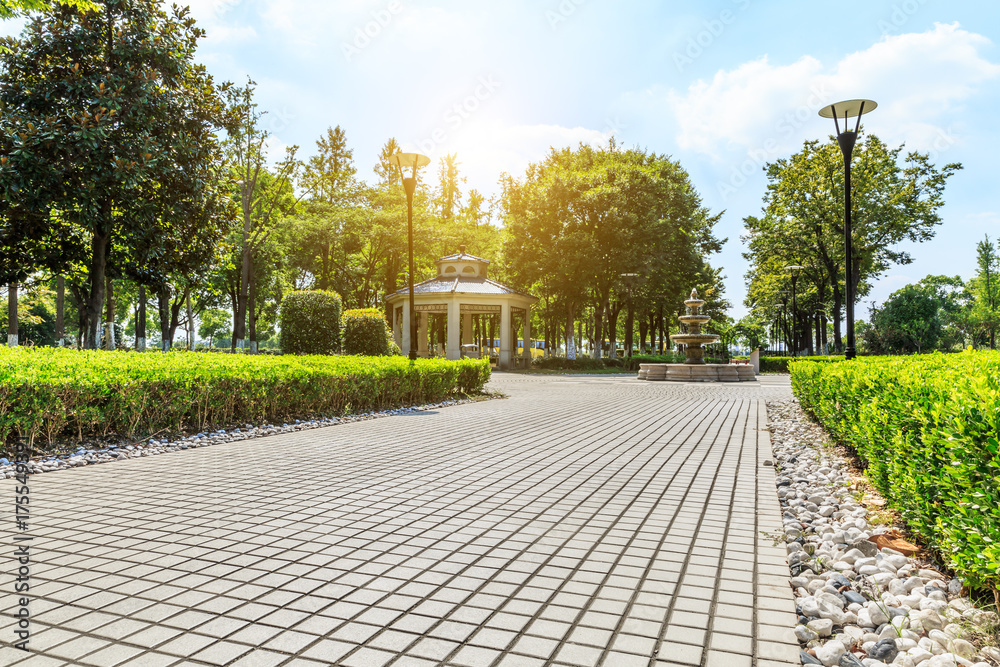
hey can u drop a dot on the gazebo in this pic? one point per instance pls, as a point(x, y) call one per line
point(462, 306)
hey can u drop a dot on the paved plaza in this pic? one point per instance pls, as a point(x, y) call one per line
point(583, 520)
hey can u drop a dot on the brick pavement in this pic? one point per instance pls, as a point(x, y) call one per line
point(582, 521)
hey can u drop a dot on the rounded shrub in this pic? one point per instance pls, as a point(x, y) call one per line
point(310, 323)
point(366, 333)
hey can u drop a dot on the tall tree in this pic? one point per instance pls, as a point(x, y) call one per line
point(895, 198)
point(100, 107)
point(985, 315)
point(581, 218)
point(264, 197)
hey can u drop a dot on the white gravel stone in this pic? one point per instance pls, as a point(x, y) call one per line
point(832, 560)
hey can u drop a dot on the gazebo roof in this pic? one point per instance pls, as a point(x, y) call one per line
point(460, 285)
point(462, 273)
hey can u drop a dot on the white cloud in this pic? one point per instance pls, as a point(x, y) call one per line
point(919, 80)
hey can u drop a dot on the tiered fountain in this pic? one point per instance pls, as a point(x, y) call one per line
point(694, 368)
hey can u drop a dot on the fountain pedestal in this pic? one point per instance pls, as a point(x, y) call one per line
point(694, 368)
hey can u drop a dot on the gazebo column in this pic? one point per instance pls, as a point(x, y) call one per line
point(467, 337)
point(527, 336)
point(405, 345)
point(454, 350)
point(422, 333)
point(396, 332)
point(505, 337)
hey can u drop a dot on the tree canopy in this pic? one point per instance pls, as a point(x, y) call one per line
point(895, 198)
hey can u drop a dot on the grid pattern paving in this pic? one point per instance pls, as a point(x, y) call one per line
point(583, 521)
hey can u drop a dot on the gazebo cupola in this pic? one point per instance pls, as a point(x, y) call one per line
point(462, 265)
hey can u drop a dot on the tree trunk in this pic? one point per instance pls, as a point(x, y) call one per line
point(663, 330)
point(838, 304)
point(599, 329)
point(629, 328)
point(175, 314)
point(99, 247)
point(60, 310)
point(140, 321)
point(613, 332)
point(109, 327)
point(12, 315)
point(570, 342)
point(163, 306)
point(579, 334)
point(643, 330)
point(240, 316)
point(80, 301)
point(190, 323)
point(252, 309)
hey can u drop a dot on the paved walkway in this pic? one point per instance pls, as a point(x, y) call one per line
point(583, 521)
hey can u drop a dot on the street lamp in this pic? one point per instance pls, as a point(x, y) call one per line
point(794, 270)
point(410, 161)
point(847, 139)
point(629, 322)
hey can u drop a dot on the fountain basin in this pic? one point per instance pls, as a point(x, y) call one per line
point(697, 372)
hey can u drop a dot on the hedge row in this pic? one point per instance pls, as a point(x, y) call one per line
point(780, 364)
point(928, 428)
point(46, 393)
point(587, 363)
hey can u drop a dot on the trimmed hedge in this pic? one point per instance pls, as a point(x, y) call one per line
point(780, 364)
point(588, 363)
point(310, 323)
point(928, 428)
point(47, 393)
point(366, 332)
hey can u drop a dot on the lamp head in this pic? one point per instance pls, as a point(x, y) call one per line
point(847, 109)
point(410, 160)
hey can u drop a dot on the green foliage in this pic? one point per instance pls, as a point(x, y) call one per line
point(583, 217)
point(215, 324)
point(626, 365)
point(13, 8)
point(50, 393)
point(928, 429)
point(578, 364)
point(780, 364)
point(365, 332)
point(310, 323)
point(984, 315)
point(896, 198)
point(107, 120)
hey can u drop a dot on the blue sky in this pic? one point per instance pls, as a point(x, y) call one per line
point(721, 85)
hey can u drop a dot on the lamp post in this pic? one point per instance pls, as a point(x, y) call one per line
point(794, 270)
point(629, 322)
point(847, 139)
point(410, 161)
